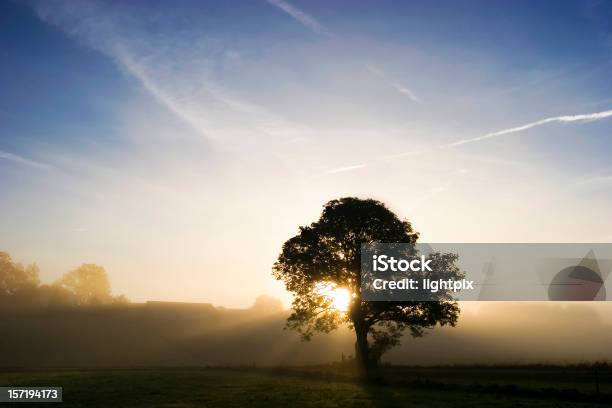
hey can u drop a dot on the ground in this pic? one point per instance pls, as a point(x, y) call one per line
point(252, 387)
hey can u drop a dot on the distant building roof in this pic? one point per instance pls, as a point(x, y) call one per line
point(180, 305)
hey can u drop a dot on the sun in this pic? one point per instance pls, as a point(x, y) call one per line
point(339, 298)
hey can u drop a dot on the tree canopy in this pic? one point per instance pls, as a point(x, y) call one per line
point(327, 254)
point(89, 283)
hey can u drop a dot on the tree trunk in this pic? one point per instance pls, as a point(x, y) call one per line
point(366, 368)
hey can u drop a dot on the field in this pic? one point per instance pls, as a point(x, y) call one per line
point(320, 387)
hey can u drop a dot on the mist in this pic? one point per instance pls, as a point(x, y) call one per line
point(186, 334)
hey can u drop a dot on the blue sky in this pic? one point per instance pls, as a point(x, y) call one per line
point(177, 143)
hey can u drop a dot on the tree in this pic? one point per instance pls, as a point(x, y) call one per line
point(15, 278)
point(20, 287)
point(89, 283)
point(328, 253)
point(267, 304)
point(56, 296)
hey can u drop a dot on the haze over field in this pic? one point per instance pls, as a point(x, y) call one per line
point(179, 145)
point(158, 334)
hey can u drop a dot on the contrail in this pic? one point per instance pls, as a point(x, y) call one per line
point(558, 119)
point(312, 24)
point(395, 85)
point(306, 20)
point(346, 168)
point(22, 160)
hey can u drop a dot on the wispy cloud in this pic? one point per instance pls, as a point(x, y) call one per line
point(22, 160)
point(600, 180)
point(394, 84)
point(200, 102)
point(176, 70)
point(556, 119)
point(162, 97)
point(315, 26)
point(306, 20)
point(347, 168)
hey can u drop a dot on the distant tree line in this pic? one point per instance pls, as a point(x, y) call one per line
point(20, 287)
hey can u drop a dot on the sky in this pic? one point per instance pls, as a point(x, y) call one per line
point(180, 144)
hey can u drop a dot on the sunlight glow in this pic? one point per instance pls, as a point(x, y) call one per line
point(339, 298)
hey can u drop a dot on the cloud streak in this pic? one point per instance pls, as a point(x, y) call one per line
point(394, 84)
point(556, 119)
point(22, 160)
point(347, 168)
point(601, 180)
point(316, 27)
point(306, 20)
point(180, 73)
point(586, 117)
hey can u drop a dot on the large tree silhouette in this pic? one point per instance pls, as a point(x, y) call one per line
point(328, 252)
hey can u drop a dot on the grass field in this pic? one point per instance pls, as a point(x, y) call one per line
point(287, 387)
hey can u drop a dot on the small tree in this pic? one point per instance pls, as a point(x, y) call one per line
point(89, 284)
point(15, 278)
point(328, 252)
